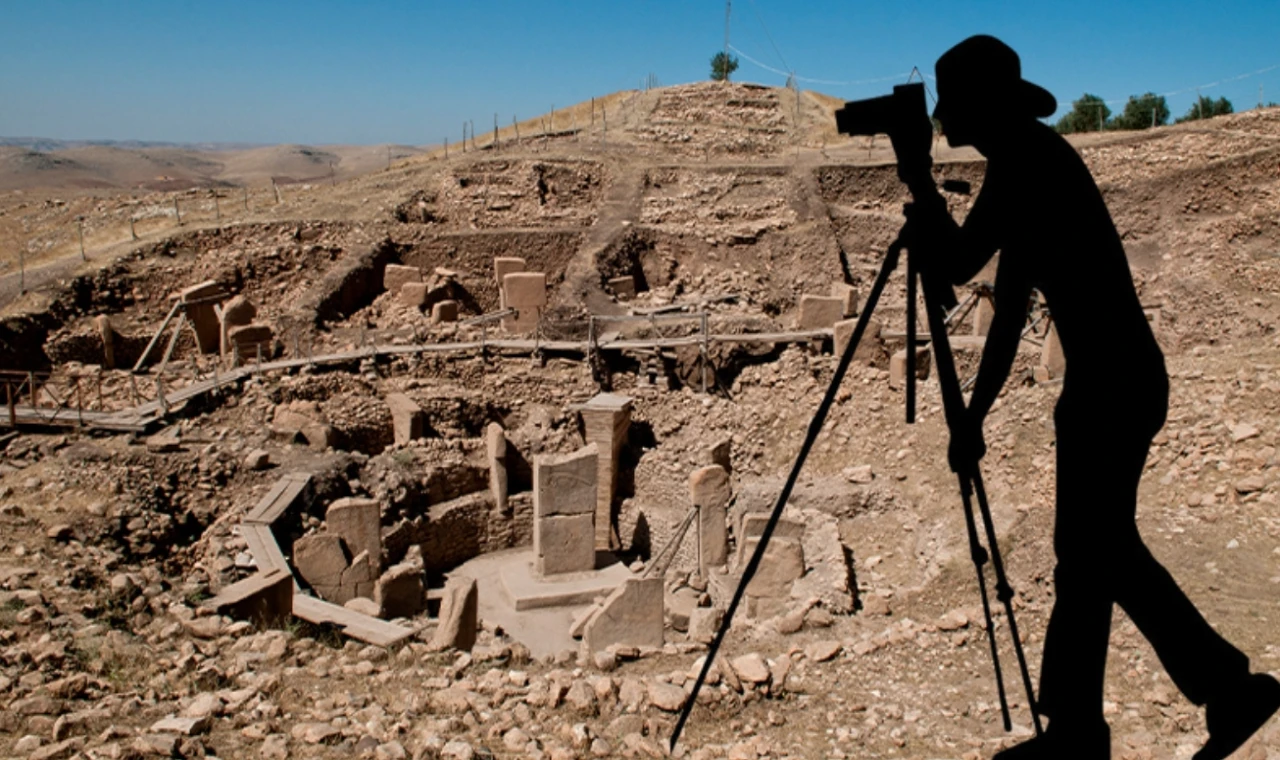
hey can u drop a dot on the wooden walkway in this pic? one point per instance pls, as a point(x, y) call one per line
point(146, 416)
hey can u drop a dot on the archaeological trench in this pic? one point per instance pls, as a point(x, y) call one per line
point(527, 419)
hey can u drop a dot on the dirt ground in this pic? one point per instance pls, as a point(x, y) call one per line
point(729, 201)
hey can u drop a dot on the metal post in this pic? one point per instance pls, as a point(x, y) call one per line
point(704, 361)
point(727, 5)
point(177, 211)
point(80, 229)
point(31, 381)
point(13, 409)
point(132, 233)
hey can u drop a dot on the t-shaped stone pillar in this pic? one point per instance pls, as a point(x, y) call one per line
point(606, 419)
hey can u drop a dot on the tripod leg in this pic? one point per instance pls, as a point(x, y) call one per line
point(910, 379)
point(815, 428)
point(936, 292)
point(1004, 592)
point(979, 555)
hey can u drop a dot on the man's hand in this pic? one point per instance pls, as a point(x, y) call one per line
point(967, 444)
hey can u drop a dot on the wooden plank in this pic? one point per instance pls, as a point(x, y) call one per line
point(262, 545)
point(279, 499)
point(354, 624)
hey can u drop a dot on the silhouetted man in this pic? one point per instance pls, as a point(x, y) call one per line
point(1041, 209)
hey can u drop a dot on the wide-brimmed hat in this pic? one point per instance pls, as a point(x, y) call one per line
point(983, 72)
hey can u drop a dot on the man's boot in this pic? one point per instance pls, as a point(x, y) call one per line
point(1237, 714)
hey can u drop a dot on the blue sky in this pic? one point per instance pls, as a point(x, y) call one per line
point(334, 71)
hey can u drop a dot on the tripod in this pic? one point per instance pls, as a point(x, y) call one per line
point(937, 294)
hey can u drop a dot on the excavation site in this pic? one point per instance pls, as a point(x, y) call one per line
point(466, 457)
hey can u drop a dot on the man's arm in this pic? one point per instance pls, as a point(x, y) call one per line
point(962, 251)
point(1012, 294)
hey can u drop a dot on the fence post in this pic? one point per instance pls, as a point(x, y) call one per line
point(177, 211)
point(13, 409)
point(246, 199)
point(217, 207)
point(132, 232)
point(80, 229)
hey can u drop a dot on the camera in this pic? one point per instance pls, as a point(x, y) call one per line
point(904, 116)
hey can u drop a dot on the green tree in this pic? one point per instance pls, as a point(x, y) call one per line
point(1088, 114)
point(1142, 111)
point(722, 65)
point(1207, 108)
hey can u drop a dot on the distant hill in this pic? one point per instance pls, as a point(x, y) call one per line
point(49, 144)
point(31, 162)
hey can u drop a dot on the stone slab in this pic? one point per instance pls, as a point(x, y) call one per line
point(414, 294)
point(898, 366)
point(505, 265)
point(564, 544)
point(623, 287)
point(525, 290)
point(359, 523)
point(459, 615)
point(529, 592)
point(321, 561)
point(631, 615)
point(399, 592)
point(818, 312)
point(565, 485)
point(396, 275)
point(444, 311)
point(848, 296)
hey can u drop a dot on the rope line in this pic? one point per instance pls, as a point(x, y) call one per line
point(767, 67)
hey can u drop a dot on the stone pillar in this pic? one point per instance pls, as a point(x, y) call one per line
point(868, 349)
point(237, 312)
point(495, 439)
point(406, 417)
point(248, 342)
point(359, 523)
point(204, 319)
point(444, 311)
point(898, 366)
point(526, 292)
point(108, 335)
point(710, 492)
point(1052, 361)
point(564, 502)
point(983, 313)
point(503, 266)
point(606, 419)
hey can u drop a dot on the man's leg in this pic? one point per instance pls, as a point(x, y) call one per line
point(1075, 647)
